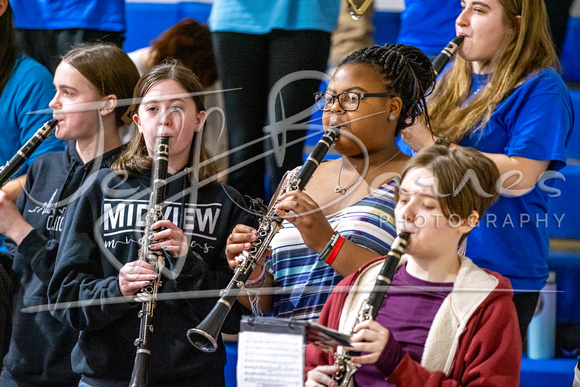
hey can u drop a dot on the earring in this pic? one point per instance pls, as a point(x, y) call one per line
point(392, 117)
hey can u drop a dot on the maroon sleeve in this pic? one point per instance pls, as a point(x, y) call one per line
point(329, 317)
point(489, 352)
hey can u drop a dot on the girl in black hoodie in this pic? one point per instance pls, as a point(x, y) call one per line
point(90, 82)
point(98, 264)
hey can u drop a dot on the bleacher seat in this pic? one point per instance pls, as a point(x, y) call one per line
point(565, 206)
point(547, 373)
point(571, 50)
point(573, 150)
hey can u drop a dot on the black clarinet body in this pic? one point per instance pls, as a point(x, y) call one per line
point(370, 307)
point(446, 54)
point(375, 299)
point(148, 294)
point(204, 336)
point(12, 166)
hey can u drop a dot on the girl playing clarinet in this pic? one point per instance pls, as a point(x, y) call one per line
point(91, 81)
point(344, 216)
point(100, 257)
point(503, 97)
point(444, 321)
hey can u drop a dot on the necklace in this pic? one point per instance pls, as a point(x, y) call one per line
point(341, 190)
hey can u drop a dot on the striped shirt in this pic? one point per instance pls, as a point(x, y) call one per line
point(303, 282)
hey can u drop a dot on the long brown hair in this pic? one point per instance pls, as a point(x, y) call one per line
point(136, 159)
point(8, 50)
point(528, 49)
point(109, 69)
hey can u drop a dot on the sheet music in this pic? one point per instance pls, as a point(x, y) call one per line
point(270, 359)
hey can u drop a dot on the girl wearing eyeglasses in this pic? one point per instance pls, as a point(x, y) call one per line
point(344, 216)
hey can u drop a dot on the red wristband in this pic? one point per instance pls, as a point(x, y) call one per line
point(260, 277)
point(335, 250)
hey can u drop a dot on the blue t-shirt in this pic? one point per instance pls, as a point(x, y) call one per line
point(428, 25)
point(29, 89)
point(534, 122)
point(263, 16)
point(101, 15)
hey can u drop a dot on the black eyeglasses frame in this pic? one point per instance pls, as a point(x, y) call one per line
point(337, 97)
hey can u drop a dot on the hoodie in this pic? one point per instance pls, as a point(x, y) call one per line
point(474, 339)
point(104, 233)
point(40, 345)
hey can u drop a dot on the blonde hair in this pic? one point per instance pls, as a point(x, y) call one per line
point(528, 49)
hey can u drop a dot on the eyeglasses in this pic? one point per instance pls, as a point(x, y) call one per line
point(348, 100)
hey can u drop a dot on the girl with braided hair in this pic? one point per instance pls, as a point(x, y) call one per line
point(344, 216)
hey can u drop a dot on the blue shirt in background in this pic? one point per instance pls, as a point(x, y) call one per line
point(101, 15)
point(29, 89)
point(428, 24)
point(533, 122)
point(263, 16)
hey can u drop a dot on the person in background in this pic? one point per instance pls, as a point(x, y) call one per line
point(350, 35)
point(344, 216)
point(257, 43)
point(48, 29)
point(428, 24)
point(504, 97)
point(190, 42)
point(25, 87)
point(98, 74)
point(444, 321)
point(558, 16)
point(101, 257)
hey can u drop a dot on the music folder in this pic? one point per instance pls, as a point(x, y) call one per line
point(271, 350)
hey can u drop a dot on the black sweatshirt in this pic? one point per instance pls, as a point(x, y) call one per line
point(103, 234)
point(40, 345)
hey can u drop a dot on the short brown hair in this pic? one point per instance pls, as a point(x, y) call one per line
point(452, 169)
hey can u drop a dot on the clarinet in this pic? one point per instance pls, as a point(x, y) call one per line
point(204, 336)
point(370, 307)
point(27, 149)
point(446, 54)
point(357, 11)
point(148, 294)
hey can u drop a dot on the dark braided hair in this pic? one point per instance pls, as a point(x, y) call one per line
point(407, 72)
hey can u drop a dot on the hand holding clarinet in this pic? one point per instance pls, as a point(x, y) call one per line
point(12, 224)
point(368, 336)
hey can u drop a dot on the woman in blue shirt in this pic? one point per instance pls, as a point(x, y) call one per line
point(504, 97)
point(25, 86)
